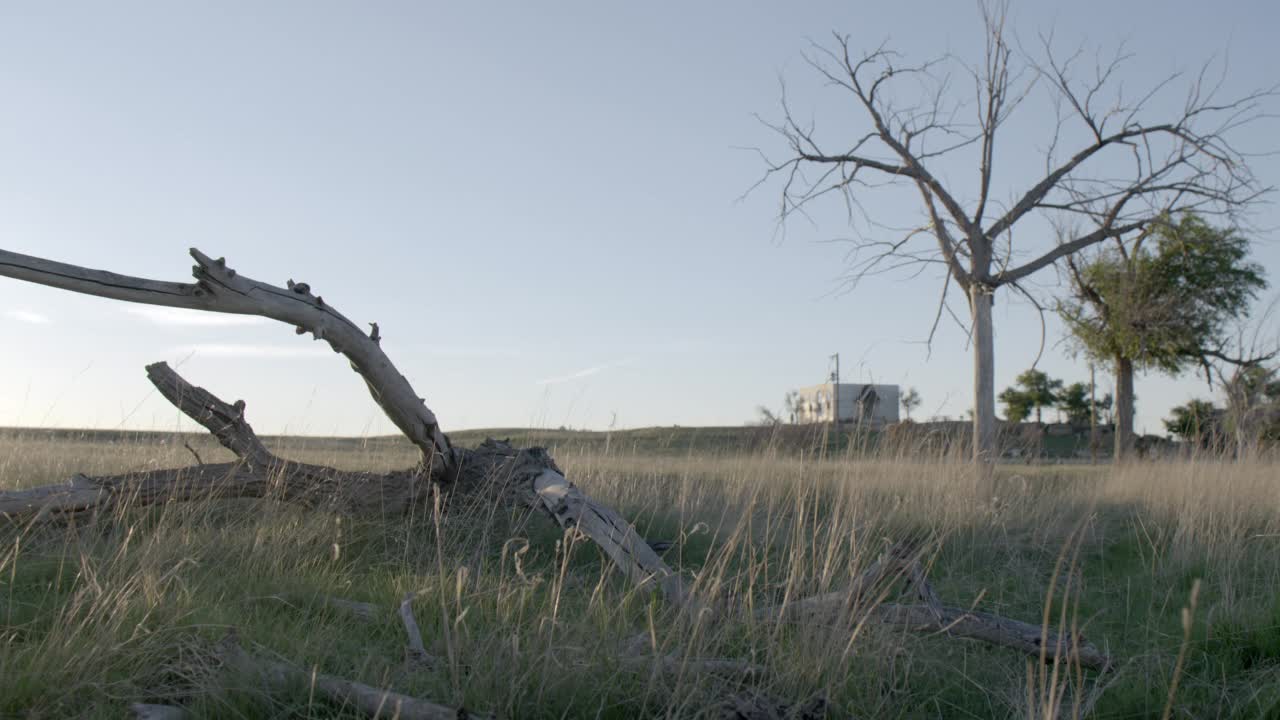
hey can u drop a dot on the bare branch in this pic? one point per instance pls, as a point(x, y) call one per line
point(218, 288)
point(280, 676)
point(1064, 250)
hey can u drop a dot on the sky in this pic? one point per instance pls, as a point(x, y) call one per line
point(544, 206)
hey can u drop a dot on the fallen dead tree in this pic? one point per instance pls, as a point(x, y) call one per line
point(494, 472)
point(868, 600)
point(276, 676)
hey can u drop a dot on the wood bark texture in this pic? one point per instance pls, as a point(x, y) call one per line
point(984, 380)
point(1124, 408)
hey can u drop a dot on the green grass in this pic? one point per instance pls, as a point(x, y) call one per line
point(130, 606)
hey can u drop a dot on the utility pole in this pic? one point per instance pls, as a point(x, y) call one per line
point(835, 393)
point(1093, 418)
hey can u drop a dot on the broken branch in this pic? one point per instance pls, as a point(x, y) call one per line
point(368, 700)
point(218, 288)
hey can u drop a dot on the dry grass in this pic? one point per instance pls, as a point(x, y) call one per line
point(123, 608)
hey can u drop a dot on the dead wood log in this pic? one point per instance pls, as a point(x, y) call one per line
point(675, 664)
point(258, 473)
point(416, 650)
point(494, 471)
point(363, 611)
point(218, 288)
point(373, 702)
point(527, 477)
point(149, 711)
point(923, 590)
point(225, 422)
point(572, 508)
point(360, 610)
point(83, 493)
point(755, 705)
point(995, 630)
point(866, 588)
point(931, 616)
point(308, 485)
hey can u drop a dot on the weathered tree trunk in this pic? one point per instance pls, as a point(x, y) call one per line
point(1124, 408)
point(494, 472)
point(275, 676)
point(218, 288)
point(257, 473)
point(984, 379)
point(865, 599)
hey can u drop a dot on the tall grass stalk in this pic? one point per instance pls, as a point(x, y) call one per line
point(127, 606)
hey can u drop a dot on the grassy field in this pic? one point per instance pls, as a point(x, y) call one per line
point(526, 621)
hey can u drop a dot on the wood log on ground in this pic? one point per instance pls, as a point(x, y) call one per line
point(494, 469)
point(572, 508)
point(760, 706)
point(931, 616)
point(674, 664)
point(995, 630)
point(416, 650)
point(867, 587)
point(495, 472)
point(924, 591)
point(363, 611)
point(373, 702)
point(149, 711)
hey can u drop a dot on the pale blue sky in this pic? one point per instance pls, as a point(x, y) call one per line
point(537, 203)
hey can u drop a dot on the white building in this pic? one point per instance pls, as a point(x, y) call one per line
point(865, 404)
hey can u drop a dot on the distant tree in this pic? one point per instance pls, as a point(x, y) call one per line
point(1073, 401)
point(910, 401)
point(1017, 405)
point(1037, 390)
point(946, 132)
point(766, 417)
point(791, 404)
point(1194, 422)
point(1162, 300)
point(1102, 409)
point(1252, 415)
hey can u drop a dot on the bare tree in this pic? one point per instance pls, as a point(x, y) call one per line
point(1113, 158)
point(910, 401)
point(1243, 366)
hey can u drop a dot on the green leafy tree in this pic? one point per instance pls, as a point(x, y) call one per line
point(1102, 409)
point(910, 401)
point(1073, 401)
point(1194, 422)
point(1160, 301)
point(1036, 390)
point(1017, 405)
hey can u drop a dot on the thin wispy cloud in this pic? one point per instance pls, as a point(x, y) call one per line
point(230, 350)
point(181, 317)
point(583, 373)
point(27, 316)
